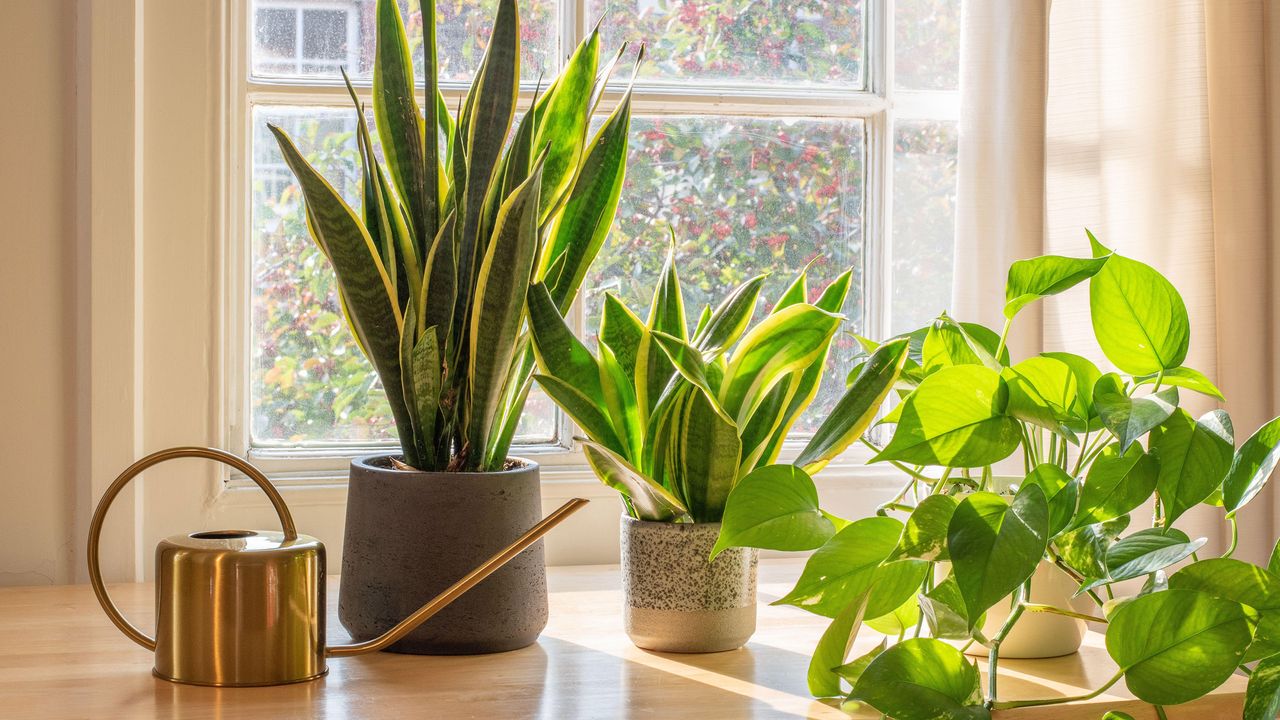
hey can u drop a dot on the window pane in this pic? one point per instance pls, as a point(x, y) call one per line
point(747, 41)
point(332, 34)
point(924, 209)
point(309, 382)
point(927, 44)
point(743, 196)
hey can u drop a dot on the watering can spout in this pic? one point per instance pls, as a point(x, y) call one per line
point(473, 578)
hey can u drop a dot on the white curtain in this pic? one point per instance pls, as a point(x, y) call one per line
point(1146, 121)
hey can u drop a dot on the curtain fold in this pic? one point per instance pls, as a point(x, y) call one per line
point(1157, 133)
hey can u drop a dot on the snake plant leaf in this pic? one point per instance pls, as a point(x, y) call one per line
point(1030, 280)
point(622, 331)
point(856, 409)
point(924, 536)
point(1251, 467)
point(1241, 582)
point(1194, 457)
point(1062, 490)
point(1184, 377)
point(1262, 696)
point(583, 410)
point(833, 647)
point(1147, 551)
point(784, 342)
point(797, 292)
point(620, 401)
point(366, 288)
point(845, 566)
point(1043, 391)
point(563, 113)
point(726, 324)
point(501, 287)
point(922, 679)
point(490, 108)
point(400, 126)
point(649, 500)
point(995, 545)
point(1130, 418)
point(773, 508)
point(944, 611)
point(687, 360)
point(440, 281)
point(375, 222)
point(515, 391)
point(1177, 645)
point(666, 314)
point(851, 671)
point(1115, 484)
point(582, 226)
point(408, 332)
point(558, 351)
point(425, 361)
point(940, 425)
point(947, 343)
point(709, 450)
point(1138, 317)
point(1086, 376)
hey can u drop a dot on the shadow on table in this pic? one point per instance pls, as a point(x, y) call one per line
point(744, 683)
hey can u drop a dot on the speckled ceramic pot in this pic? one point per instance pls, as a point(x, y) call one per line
point(410, 535)
point(676, 601)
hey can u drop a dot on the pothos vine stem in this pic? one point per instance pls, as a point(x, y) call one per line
point(1011, 704)
point(993, 657)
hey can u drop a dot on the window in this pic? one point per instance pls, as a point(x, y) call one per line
point(771, 135)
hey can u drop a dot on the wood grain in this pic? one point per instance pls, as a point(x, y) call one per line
point(61, 658)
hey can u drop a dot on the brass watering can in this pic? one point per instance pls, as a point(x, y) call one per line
point(238, 608)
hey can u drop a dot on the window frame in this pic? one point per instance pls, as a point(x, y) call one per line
point(879, 105)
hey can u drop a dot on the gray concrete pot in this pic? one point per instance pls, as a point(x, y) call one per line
point(674, 600)
point(410, 535)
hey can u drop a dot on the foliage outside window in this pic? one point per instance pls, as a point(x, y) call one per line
point(766, 133)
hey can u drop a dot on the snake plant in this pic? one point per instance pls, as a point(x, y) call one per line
point(1096, 448)
point(455, 225)
point(673, 418)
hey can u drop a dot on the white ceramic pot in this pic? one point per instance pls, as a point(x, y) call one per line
point(1038, 634)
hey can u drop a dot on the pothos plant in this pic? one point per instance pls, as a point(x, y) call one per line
point(675, 418)
point(1095, 448)
point(455, 225)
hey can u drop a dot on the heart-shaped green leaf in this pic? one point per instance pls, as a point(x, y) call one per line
point(899, 620)
point(1130, 418)
point(1061, 489)
point(774, 507)
point(921, 679)
point(834, 646)
point(1252, 467)
point(947, 344)
point(955, 418)
point(1262, 697)
point(1147, 551)
point(1116, 483)
point(1030, 280)
point(1241, 582)
point(1184, 377)
point(1177, 645)
point(944, 611)
point(1138, 317)
point(845, 567)
point(995, 545)
point(925, 535)
point(1086, 374)
point(851, 671)
point(1085, 549)
point(1194, 456)
point(1043, 391)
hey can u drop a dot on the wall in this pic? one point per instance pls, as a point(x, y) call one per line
point(38, 293)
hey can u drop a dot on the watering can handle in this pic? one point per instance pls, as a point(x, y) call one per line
point(99, 515)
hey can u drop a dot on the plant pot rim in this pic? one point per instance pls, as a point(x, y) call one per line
point(367, 462)
point(633, 521)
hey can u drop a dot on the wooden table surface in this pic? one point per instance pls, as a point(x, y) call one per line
point(61, 658)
